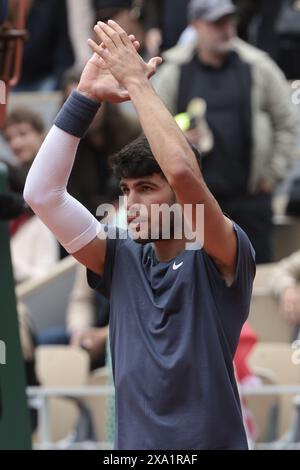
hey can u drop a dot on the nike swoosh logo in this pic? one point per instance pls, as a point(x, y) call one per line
point(177, 266)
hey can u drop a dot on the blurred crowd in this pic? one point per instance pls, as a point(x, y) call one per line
point(225, 77)
point(238, 111)
point(58, 30)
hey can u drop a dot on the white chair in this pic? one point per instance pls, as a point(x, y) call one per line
point(277, 357)
point(62, 366)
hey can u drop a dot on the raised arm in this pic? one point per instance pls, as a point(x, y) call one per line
point(45, 190)
point(169, 146)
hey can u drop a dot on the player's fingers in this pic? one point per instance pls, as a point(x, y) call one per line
point(106, 40)
point(100, 50)
point(111, 33)
point(124, 96)
point(121, 33)
point(136, 45)
point(134, 41)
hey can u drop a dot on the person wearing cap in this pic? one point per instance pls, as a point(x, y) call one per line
point(249, 111)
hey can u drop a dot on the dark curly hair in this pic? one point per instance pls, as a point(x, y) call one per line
point(136, 160)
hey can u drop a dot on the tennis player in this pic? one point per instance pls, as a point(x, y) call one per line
point(176, 312)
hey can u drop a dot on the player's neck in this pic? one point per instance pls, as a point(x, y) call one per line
point(165, 250)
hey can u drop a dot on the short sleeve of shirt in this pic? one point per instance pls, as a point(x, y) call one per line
point(103, 283)
point(245, 267)
point(235, 299)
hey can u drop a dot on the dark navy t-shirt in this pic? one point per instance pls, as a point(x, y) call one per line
point(174, 329)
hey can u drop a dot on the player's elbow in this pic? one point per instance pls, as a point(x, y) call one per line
point(35, 197)
point(180, 173)
point(29, 196)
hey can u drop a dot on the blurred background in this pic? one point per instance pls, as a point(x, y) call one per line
point(243, 114)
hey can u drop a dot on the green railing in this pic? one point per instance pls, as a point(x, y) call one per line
point(14, 416)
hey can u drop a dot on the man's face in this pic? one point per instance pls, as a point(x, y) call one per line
point(216, 37)
point(23, 140)
point(142, 194)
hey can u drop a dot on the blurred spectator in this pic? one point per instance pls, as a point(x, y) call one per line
point(3, 10)
point(33, 248)
point(249, 111)
point(86, 322)
point(248, 340)
point(275, 28)
point(24, 132)
point(245, 375)
point(285, 284)
point(246, 9)
point(127, 13)
point(256, 23)
point(83, 15)
point(81, 19)
point(288, 31)
point(48, 51)
point(164, 21)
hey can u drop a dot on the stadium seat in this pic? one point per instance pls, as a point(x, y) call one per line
point(62, 366)
point(97, 405)
point(277, 357)
point(265, 317)
point(47, 298)
point(264, 408)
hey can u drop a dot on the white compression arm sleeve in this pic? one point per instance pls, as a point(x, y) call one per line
point(45, 192)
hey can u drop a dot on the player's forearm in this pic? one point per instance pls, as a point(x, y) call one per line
point(51, 168)
point(168, 144)
point(58, 151)
point(45, 189)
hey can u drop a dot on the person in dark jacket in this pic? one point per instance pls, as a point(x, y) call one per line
point(164, 21)
point(48, 50)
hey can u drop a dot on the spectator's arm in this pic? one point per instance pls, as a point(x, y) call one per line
point(283, 118)
point(81, 17)
point(286, 274)
point(152, 14)
point(152, 23)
